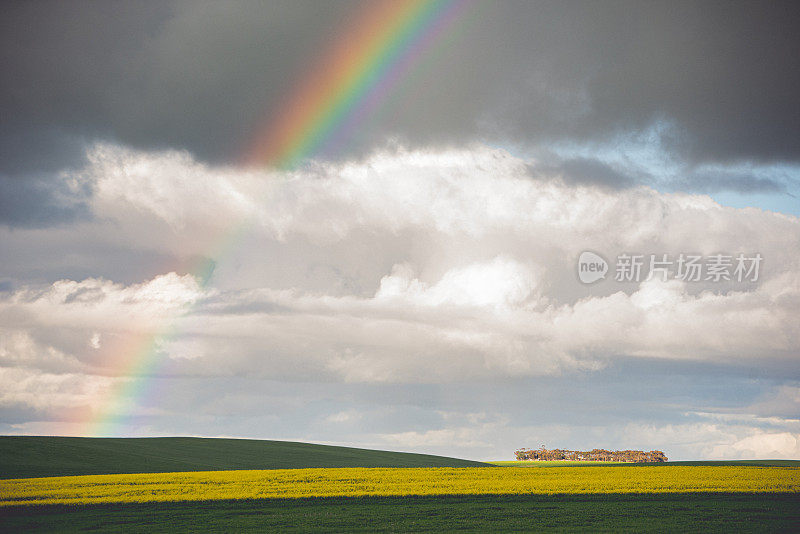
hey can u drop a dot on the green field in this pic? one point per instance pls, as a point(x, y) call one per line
point(34, 456)
point(618, 513)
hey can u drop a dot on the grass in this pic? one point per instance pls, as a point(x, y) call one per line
point(678, 512)
point(34, 456)
point(355, 482)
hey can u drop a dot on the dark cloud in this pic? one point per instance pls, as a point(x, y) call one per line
point(192, 75)
point(589, 171)
point(40, 200)
point(202, 76)
point(722, 75)
point(33, 192)
point(739, 182)
point(585, 171)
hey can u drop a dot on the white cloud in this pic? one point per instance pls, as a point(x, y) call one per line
point(51, 393)
point(460, 194)
point(406, 267)
point(492, 293)
point(500, 283)
point(89, 325)
point(346, 416)
point(761, 445)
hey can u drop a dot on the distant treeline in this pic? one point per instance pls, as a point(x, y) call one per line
point(594, 455)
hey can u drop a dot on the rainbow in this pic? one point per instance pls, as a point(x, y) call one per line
point(351, 81)
point(346, 85)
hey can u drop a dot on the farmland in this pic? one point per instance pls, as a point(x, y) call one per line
point(418, 493)
point(360, 482)
point(675, 512)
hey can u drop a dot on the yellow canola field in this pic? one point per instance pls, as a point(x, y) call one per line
point(293, 483)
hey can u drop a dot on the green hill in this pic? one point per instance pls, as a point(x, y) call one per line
point(35, 456)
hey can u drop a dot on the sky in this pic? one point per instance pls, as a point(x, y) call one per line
point(411, 282)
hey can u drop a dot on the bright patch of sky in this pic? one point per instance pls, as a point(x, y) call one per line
point(647, 158)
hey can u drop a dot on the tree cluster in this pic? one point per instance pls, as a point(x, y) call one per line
point(595, 455)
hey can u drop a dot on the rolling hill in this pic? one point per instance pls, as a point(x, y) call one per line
point(37, 456)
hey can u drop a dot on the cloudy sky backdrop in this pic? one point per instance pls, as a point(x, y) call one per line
point(415, 290)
